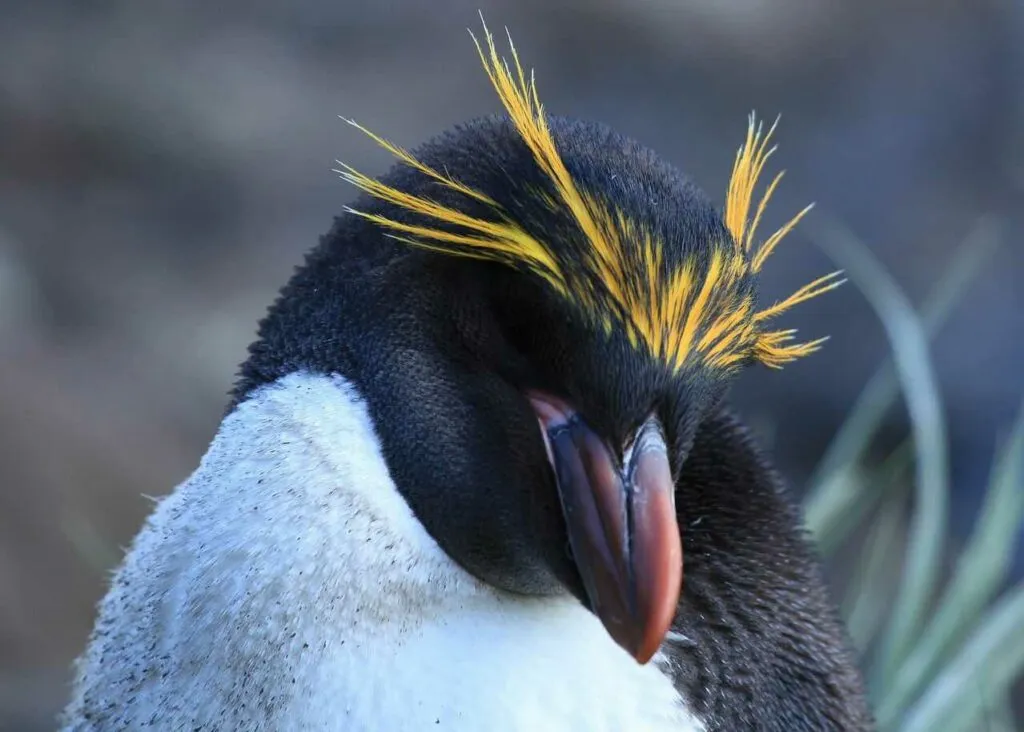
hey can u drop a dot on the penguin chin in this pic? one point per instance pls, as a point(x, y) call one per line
point(621, 523)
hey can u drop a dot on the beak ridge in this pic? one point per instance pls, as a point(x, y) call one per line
point(622, 525)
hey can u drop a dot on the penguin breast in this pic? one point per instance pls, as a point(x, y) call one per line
point(287, 585)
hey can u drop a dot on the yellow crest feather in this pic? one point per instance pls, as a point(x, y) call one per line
point(681, 316)
point(772, 348)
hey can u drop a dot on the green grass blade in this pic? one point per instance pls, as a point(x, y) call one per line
point(867, 594)
point(888, 482)
point(980, 572)
point(831, 499)
point(861, 494)
point(927, 529)
point(989, 662)
point(838, 505)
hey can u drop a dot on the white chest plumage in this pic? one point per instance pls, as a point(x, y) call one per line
point(287, 586)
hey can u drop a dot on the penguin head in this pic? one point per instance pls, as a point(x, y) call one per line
point(539, 313)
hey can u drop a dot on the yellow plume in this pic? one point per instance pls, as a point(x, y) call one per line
point(771, 348)
point(692, 314)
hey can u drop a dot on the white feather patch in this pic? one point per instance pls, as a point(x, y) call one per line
point(286, 585)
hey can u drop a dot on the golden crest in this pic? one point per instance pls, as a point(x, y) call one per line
point(681, 317)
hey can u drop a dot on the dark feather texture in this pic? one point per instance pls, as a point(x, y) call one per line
point(443, 348)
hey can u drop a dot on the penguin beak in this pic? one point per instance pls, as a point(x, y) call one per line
point(622, 525)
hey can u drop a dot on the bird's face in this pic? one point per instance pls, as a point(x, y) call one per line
point(550, 465)
point(611, 428)
point(537, 449)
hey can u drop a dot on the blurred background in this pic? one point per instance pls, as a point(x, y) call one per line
point(164, 165)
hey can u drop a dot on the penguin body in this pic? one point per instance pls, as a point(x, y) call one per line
point(287, 586)
point(480, 430)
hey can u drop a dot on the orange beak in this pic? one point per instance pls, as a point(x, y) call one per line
point(622, 525)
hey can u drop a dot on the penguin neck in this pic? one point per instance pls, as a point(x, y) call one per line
point(393, 631)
